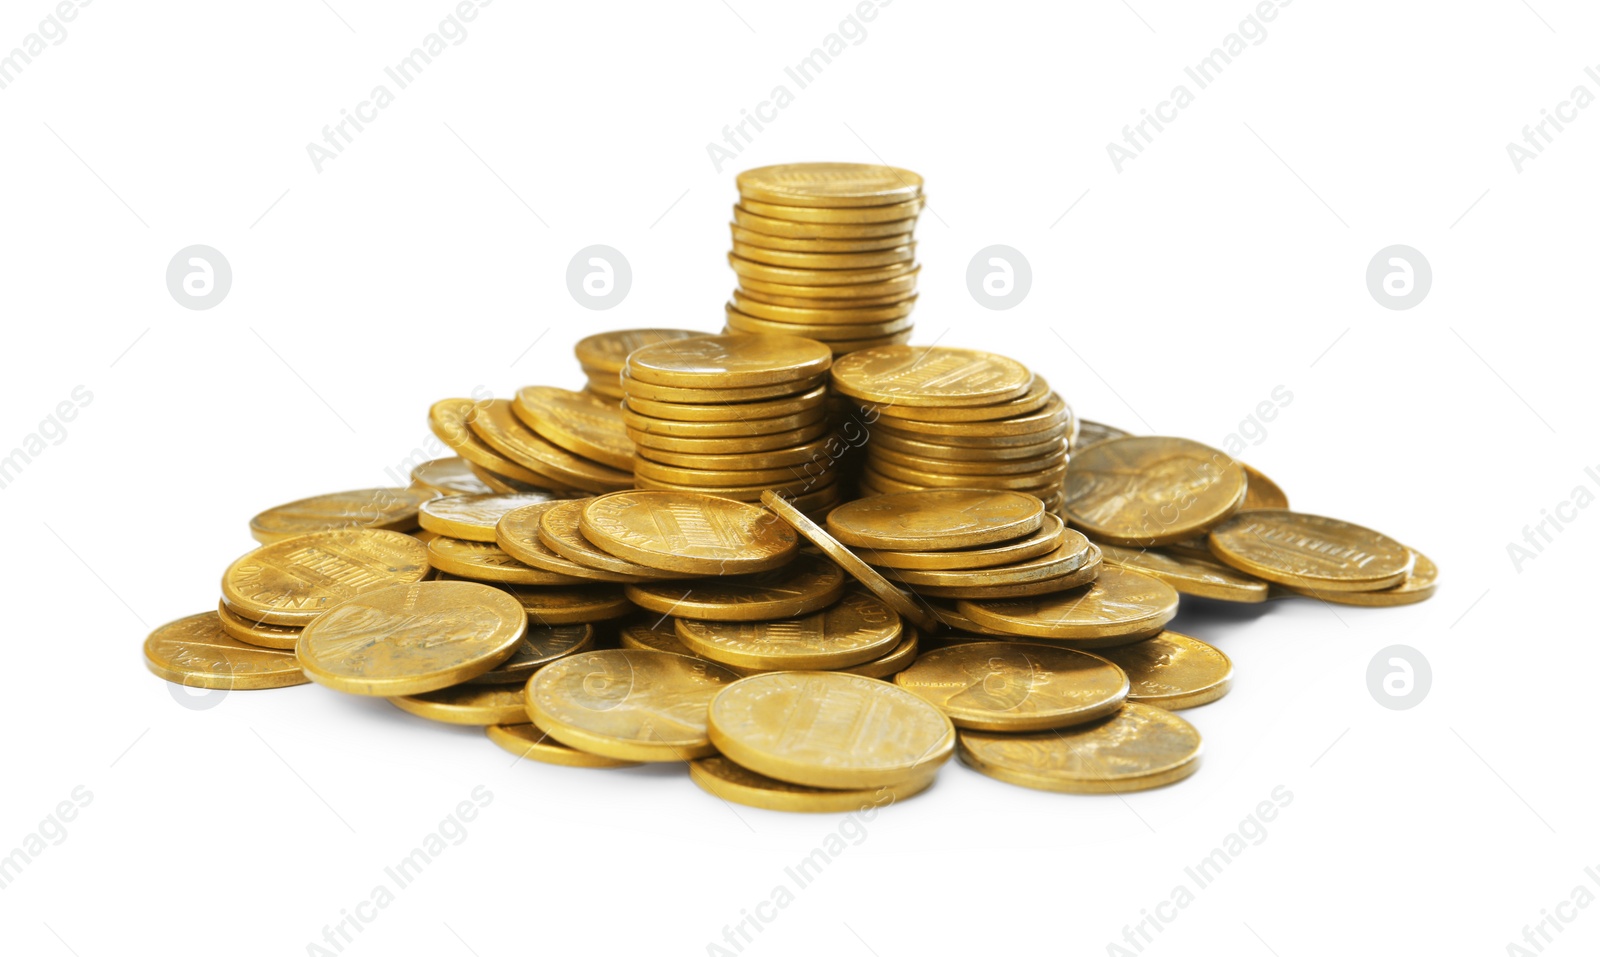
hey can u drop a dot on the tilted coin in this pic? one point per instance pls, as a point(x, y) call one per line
point(1073, 553)
point(406, 639)
point(505, 485)
point(930, 376)
point(518, 533)
point(292, 581)
point(390, 508)
point(448, 420)
point(1086, 573)
point(527, 741)
point(1047, 538)
point(1137, 748)
point(788, 228)
point(1119, 607)
point(258, 633)
point(654, 634)
point(1260, 491)
point(807, 584)
point(897, 659)
point(1151, 490)
point(1090, 433)
point(687, 532)
point(495, 423)
point(608, 351)
point(487, 562)
point(197, 653)
point(829, 729)
point(1418, 585)
point(471, 704)
point(541, 645)
point(560, 530)
point(829, 184)
point(449, 476)
point(857, 629)
point(1190, 574)
point(730, 782)
point(1173, 671)
point(473, 517)
point(1311, 551)
point(731, 361)
point(1007, 686)
point(628, 704)
point(888, 212)
point(946, 519)
point(578, 422)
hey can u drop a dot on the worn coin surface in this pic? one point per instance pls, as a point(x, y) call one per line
point(936, 519)
point(930, 376)
point(1173, 671)
point(294, 580)
point(829, 184)
point(1118, 607)
point(687, 532)
point(473, 517)
point(528, 741)
point(1190, 574)
point(1008, 686)
point(857, 629)
point(391, 508)
point(541, 645)
point(729, 361)
point(731, 782)
point(197, 653)
point(809, 583)
point(1151, 490)
point(472, 704)
point(1311, 551)
point(1137, 748)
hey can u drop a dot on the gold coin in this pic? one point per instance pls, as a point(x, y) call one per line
point(829, 332)
point(1260, 491)
point(1137, 748)
point(541, 645)
point(728, 361)
point(1053, 417)
point(746, 296)
point(1090, 433)
point(1047, 538)
point(466, 704)
point(664, 394)
point(857, 629)
point(790, 276)
point(1036, 398)
point(560, 530)
point(195, 652)
point(637, 423)
point(292, 581)
point(389, 508)
point(1057, 456)
point(870, 259)
point(448, 476)
point(829, 729)
point(945, 519)
point(887, 213)
point(519, 535)
point(473, 517)
point(1310, 551)
point(790, 229)
point(815, 455)
point(719, 411)
point(1151, 490)
point(829, 184)
point(750, 237)
point(742, 493)
point(496, 423)
point(944, 450)
point(1119, 607)
point(1419, 585)
point(730, 782)
point(930, 376)
point(851, 287)
point(572, 604)
point(649, 443)
point(487, 562)
point(811, 313)
point(406, 639)
point(628, 704)
point(527, 741)
point(608, 351)
point(807, 584)
point(578, 422)
point(1006, 686)
point(1173, 671)
point(607, 385)
point(897, 659)
point(1085, 574)
point(655, 471)
point(448, 420)
point(874, 581)
point(653, 634)
point(258, 633)
point(1190, 574)
point(882, 484)
point(505, 485)
point(1073, 553)
point(687, 532)
point(1035, 482)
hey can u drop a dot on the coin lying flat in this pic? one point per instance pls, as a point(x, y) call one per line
point(885, 213)
point(407, 639)
point(1007, 686)
point(1190, 574)
point(729, 361)
point(527, 741)
point(857, 629)
point(578, 422)
point(829, 184)
point(473, 517)
point(518, 534)
point(1137, 748)
point(258, 633)
point(1119, 607)
point(829, 729)
point(1419, 585)
point(809, 583)
point(608, 351)
point(1047, 538)
point(390, 508)
point(681, 395)
point(688, 532)
point(1311, 551)
point(896, 660)
point(466, 704)
point(628, 704)
point(944, 519)
point(720, 411)
point(449, 476)
point(294, 580)
point(791, 229)
point(930, 376)
point(541, 645)
point(1151, 490)
point(648, 442)
point(1072, 554)
point(197, 653)
point(721, 777)
point(486, 562)
point(1173, 671)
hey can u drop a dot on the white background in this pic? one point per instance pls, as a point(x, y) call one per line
point(1226, 260)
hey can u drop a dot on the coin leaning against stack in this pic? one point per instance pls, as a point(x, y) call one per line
point(603, 354)
point(825, 251)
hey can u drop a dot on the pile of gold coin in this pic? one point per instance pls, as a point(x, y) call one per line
point(603, 355)
point(825, 251)
point(733, 416)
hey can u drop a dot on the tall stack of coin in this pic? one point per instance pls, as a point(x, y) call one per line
point(825, 251)
point(733, 416)
point(602, 355)
point(941, 417)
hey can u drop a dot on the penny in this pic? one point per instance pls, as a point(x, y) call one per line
point(897, 659)
point(1118, 607)
point(655, 471)
point(258, 633)
point(389, 508)
point(527, 741)
point(713, 395)
point(937, 449)
point(1033, 481)
point(1190, 574)
point(487, 562)
point(1418, 585)
point(577, 422)
point(1047, 538)
point(1073, 553)
point(930, 376)
point(687, 532)
point(1090, 433)
point(540, 645)
point(791, 229)
point(1006, 686)
point(1036, 398)
point(519, 534)
point(466, 704)
point(896, 286)
point(448, 420)
point(730, 782)
point(886, 213)
point(560, 530)
point(822, 331)
point(197, 653)
point(1049, 419)
point(1151, 490)
point(1260, 491)
point(608, 351)
point(473, 517)
point(750, 237)
point(829, 184)
point(1085, 574)
point(571, 604)
point(789, 275)
point(1311, 551)
point(449, 476)
point(731, 361)
point(496, 423)
point(1137, 748)
point(809, 583)
point(870, 259)
point(727, 428)
point(1173, 671)
point(720, 411)
point(1054, 458)
point(294, 580)
point(857, 629)
point(933, 520)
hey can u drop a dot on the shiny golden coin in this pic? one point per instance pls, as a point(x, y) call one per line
point(1190, 574)
point(942, 449)
point(505, 485)
point(815, 455)
point(719, 411)
point(750, 237)
point(496, 423)
point(519, 534)
point(729, 361)
point(744, 294)
point(807, 584)
point(1054, 458)
point(829, 184)
point(572, 604)
point(1036, 398)
point(897, 659)
point(560, 530)
point(197, 653)
point(687, 532)
point(810, 313)
point(930, 376)
point(541, 645)
point(790, 276)
point(1035, 482)
point(1137, 748)
point(742, 493)
point(628, 704)
point(887, 213)
point(857, 629)
point(1090, 433)
point(654, 634)
point(1007, 686)
point(1073, 553)
point(1173, 671)
point(673, 474)
point(709, 396)
point(828, 332)
point(487, 562)
point(730, 782)
point(882, 484)
point(1419, 585)
point(793, 513)
point(790, 229)
point(470, 704)
point(852, 286)
point(1085, 574)
point(1046, 539)
point(258, 633)
point(527, 741)
point(1260, 491)
point(578, 422)
point(407, 639)
point(473, 517)
point(869, 259)
point(952, 518)
point(637, 423)
point(843, 347)
point(1053, 417)
point(1119, 607)
point(448, 420)
point(829, 729)
point(390, 508)
point(607, 385)
point(608, 351)
point(448, 476)
point(1310, 551)
point(1151, 490)
point(292, 581)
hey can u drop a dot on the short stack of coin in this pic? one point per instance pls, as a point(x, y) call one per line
point(733, 416)
point(825, 251)
point(941, 417)
point(602, 355)
point(547, 439)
